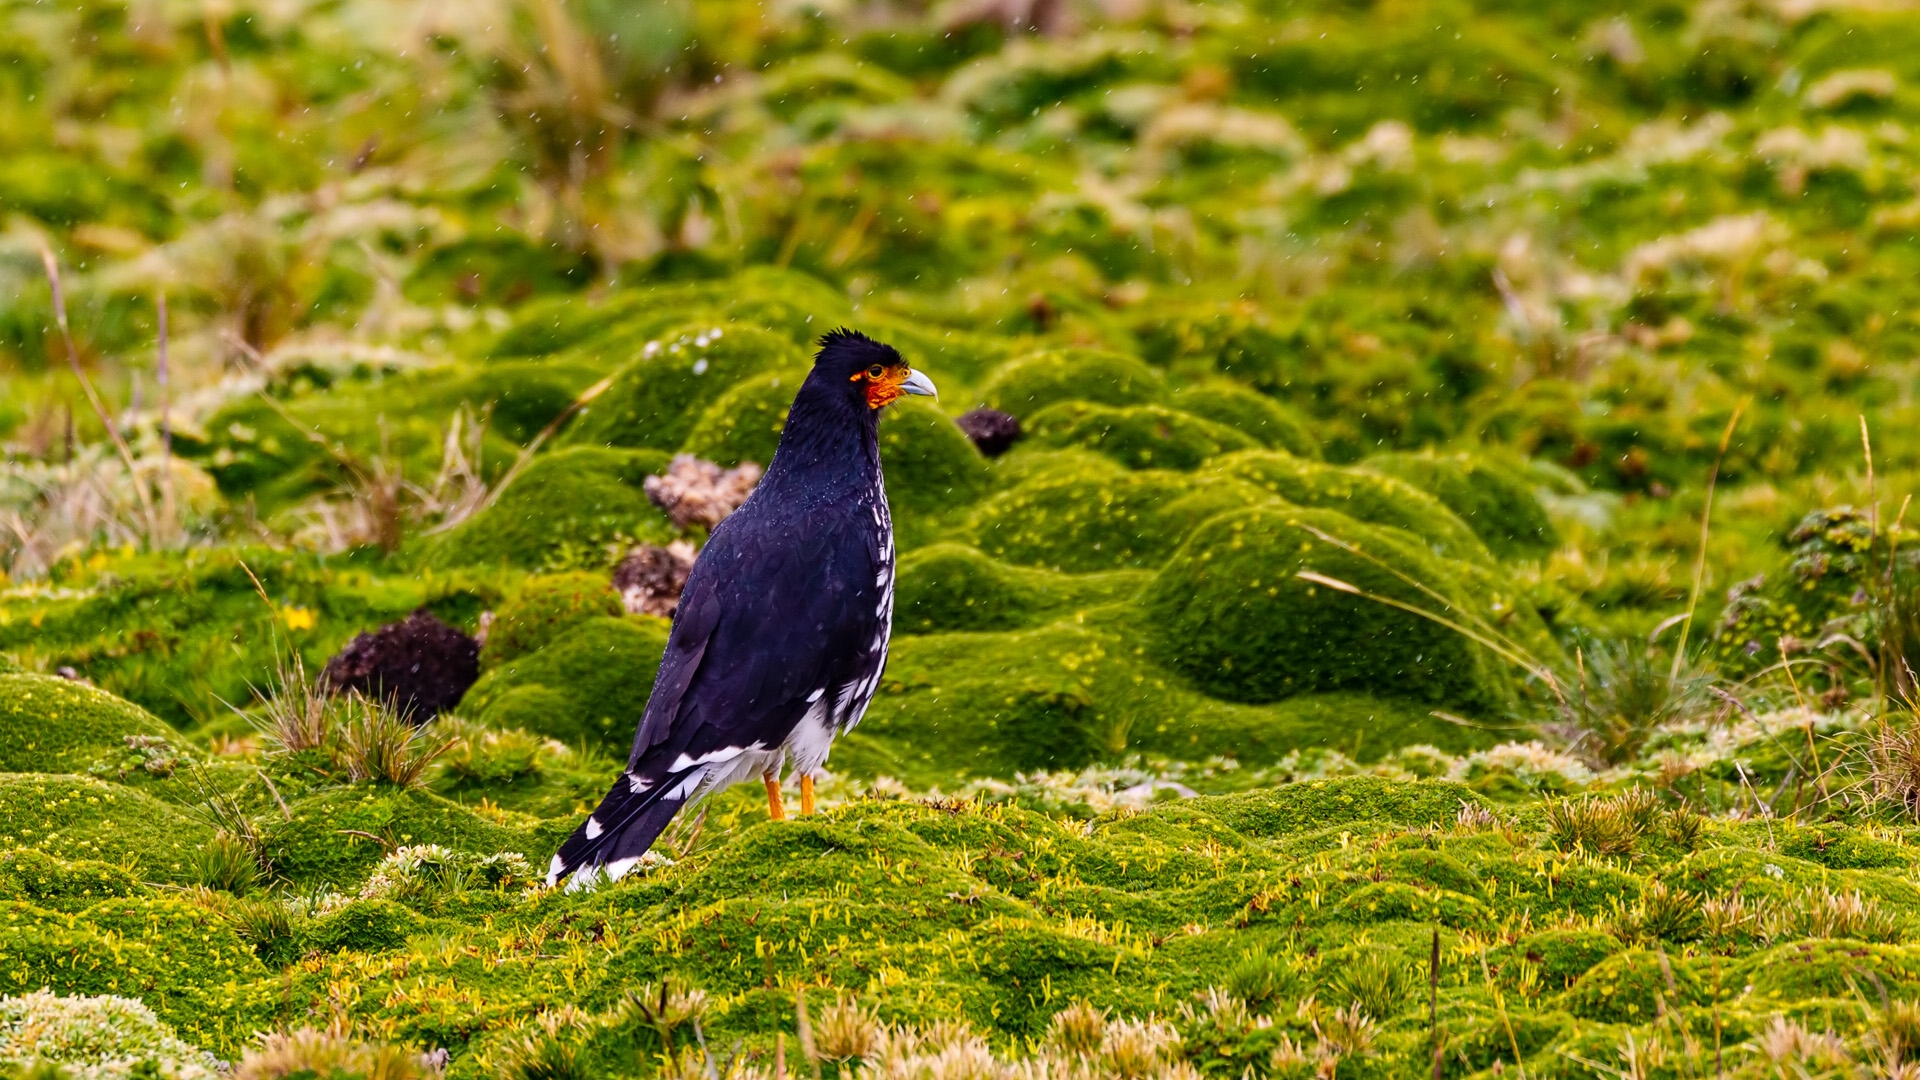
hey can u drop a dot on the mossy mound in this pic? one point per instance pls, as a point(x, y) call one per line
point(335, 836)
point(930, 465)
point(281, 451)
point(82, 819)
point(1027, 384)
point(1495, 501)
point(1825, 588)
point(1139, 436)
point(1082, 512)
point(1251, 413)
point(576, 507)
point(1374, 498)
point(1083, 690)
point(657, 399)
point(32, 876)
point(951, 587)
point(545, 607)
point(587, 686)
point(183, 633)
point(1231, 613)
point(744, 424)
point(56, 725)
point(788, 302)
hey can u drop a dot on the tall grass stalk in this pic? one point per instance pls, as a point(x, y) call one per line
point(1706, 526)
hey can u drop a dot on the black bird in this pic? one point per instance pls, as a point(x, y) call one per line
point(781, 632)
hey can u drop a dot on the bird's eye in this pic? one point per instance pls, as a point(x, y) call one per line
point(876, 371)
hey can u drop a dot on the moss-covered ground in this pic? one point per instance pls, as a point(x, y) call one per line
point(1454, 590)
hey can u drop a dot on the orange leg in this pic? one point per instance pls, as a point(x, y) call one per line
point(775, 809)
point(806, 794)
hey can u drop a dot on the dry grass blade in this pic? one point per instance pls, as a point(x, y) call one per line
point(1498, 644)
point(52, 266)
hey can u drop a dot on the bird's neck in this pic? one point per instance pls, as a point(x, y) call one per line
point(827, 444)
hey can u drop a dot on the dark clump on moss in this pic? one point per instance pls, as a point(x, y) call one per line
point(577, 507)
point(993, 431)
point(1139, 436)
point(419, 664)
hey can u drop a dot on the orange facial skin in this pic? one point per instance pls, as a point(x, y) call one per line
point(883, 384)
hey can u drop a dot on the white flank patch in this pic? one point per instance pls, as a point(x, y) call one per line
point(618, 868)
point(685, 788)
point(725, 753)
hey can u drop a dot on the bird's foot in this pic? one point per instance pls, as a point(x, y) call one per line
point(775, 809)
point(806, 795)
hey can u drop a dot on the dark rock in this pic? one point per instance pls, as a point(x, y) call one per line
point(990, 429)
point(420, 664)
point(650, 578)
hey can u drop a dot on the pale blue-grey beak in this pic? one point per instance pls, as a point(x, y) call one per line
point(917, 383)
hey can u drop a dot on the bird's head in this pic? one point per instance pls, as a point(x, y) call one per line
point(872, 373)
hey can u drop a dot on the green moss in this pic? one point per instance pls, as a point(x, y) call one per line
point(952, 587)
point(1318, 804)
point(585, 687)
point(546, 607)
point(744, 424)
point(1027, 384)
point(35, 877)
point(576, 507)
point(1363, 496)
point(369, 926)
point(930, 466)
point(334, 837)
point(1081, 690)
point(1629, 987)
point(1139, 437)
point(1253, 414)
point(1564, 955)
point(49, 724)
point(280, 452)
point(72, 818)
point(656, 400)
point(1230, 613)
point(1495, 501)
point(1083, 513)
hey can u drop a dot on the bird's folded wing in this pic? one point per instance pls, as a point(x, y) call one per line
point(763, 623)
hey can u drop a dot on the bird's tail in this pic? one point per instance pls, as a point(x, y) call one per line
point(619, 831)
